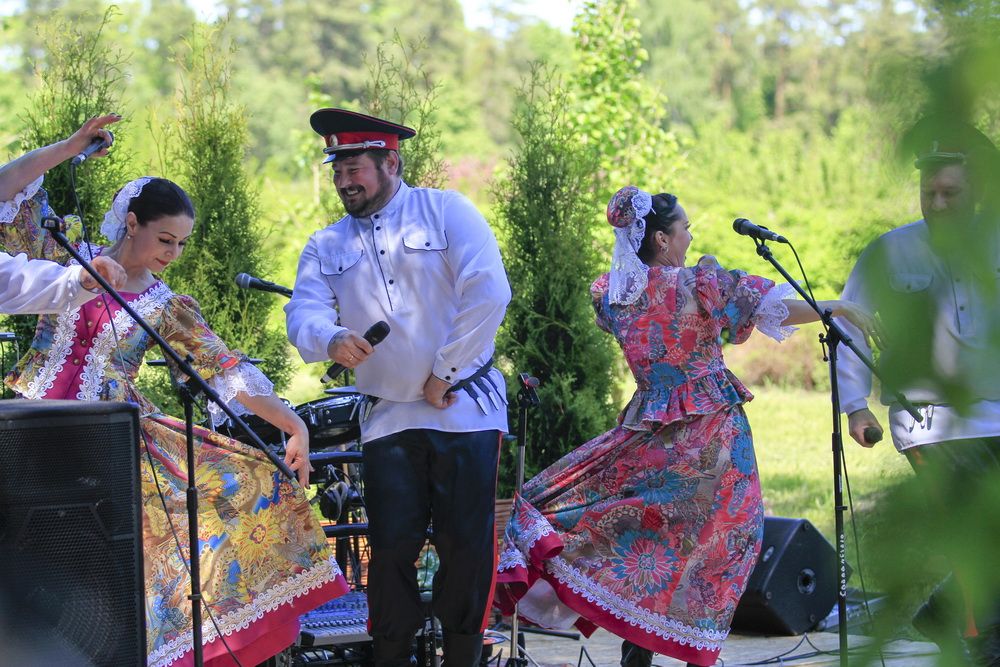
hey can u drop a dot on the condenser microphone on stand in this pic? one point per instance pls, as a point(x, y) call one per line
point(746, 228)
point(246, 281)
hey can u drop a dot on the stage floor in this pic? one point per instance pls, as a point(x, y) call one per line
point(604, 650)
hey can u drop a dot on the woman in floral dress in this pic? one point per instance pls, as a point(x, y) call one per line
point(264, 558)
point(651, 529)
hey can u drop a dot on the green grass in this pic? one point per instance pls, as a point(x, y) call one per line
point(792, 436)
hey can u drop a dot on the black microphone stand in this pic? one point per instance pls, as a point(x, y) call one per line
point(188, 391)
point(527, 398)
point(832, 339)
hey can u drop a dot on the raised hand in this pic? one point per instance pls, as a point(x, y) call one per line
point(109, 269)
point(90, 130)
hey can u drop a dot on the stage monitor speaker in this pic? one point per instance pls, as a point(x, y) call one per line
point(794, 583)
point(71, 580)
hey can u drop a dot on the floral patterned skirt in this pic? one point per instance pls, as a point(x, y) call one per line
point(264, 557)
point(650, 535)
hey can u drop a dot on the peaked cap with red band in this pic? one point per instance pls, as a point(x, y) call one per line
point(349, 131)
point(937, 140)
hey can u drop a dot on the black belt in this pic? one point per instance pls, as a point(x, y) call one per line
point(482, 381)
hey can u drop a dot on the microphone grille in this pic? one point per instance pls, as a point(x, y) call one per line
point(243, 280)
point(377, 332)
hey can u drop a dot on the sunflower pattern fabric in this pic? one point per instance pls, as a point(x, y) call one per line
point(263, 554)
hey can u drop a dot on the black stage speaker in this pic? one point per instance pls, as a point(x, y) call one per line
point(71, 579)
point(794, 583)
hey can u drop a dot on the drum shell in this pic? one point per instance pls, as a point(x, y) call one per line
point(332, 420)
point(264, 430)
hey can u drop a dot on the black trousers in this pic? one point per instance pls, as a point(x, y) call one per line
point(954, 475)
point(412, 479)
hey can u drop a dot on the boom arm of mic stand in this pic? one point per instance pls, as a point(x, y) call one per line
point(55, 227)
point(827, 318)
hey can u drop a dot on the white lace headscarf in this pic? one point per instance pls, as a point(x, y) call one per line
point(113, 226)
point(626, 213)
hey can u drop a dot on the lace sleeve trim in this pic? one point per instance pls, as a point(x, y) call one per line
point(772, 312)
point(9, 209)
point(243, 377)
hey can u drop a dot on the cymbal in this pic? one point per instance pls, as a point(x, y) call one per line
point(163, 362)
point(349, 389)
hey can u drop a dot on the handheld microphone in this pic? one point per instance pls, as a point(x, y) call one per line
point(747, 228)
point(374, 336)
point(872, 435)
point(96, 144)
point(246, 281)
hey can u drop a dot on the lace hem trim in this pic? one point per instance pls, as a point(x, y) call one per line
point(511, 558)
point(534, 527)
point(624, 610)
point(9, 209)
point(241, 619)
point(244, 377)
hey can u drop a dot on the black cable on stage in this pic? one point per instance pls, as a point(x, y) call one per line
point(857, 546)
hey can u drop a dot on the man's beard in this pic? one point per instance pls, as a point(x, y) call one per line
point(954, 233)
point(366, 205)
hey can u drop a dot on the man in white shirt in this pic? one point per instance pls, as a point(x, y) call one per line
point(38, 286)
point(425, 262)
point(934, 282)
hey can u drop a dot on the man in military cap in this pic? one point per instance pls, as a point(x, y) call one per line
point(934, 284)
point(425, 262)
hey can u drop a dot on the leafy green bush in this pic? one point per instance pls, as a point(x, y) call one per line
point(795, 363)
point(401, 90)
point(615, 111)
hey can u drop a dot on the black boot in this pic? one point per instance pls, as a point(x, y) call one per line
point(940, 620)
point(462, 650)
point(393, 652)
point(635, 656)
point(985, 648)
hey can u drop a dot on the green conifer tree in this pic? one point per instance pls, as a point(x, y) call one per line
point(79, 75)
point(544, 214)
point(205, 153)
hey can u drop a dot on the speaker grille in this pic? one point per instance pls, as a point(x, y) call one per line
point(794, 584)
point(71, 524)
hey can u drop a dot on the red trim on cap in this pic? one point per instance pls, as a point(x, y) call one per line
point(391, 140)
